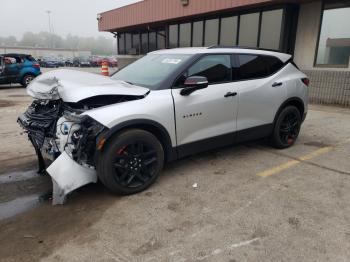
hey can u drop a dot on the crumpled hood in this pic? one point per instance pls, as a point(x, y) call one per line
point(74, 86)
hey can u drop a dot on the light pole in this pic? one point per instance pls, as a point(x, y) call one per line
point(50, 29)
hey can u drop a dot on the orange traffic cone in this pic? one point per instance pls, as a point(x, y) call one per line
point(104, 68)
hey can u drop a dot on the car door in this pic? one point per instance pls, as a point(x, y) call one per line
point(206, 118)
point(11, 71)
point(2, 69)
point(261, 92)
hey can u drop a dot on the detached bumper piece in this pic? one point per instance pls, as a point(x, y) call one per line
point(67, 175)
point(39, 121)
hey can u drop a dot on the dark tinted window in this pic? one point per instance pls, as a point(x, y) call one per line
point(152, 41)
point(161, 39)
point(254, 66)
point(144, 43)
point(216, 68)
point(121, 44)
point(136, 44)
point(128, 43)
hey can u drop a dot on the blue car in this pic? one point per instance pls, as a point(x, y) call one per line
point(50, 62)
point(18, 68)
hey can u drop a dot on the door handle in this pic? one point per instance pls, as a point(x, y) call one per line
point(277, 84)
point(230, 94)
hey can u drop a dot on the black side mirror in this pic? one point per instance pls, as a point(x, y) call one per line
point(194, 83)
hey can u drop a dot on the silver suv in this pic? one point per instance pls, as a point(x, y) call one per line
point(167, 105)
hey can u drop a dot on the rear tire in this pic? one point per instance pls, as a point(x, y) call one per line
point(287, 128)
point(26, 80)
point(131, 162)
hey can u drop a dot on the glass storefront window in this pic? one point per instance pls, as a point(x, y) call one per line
point(197, 33)
point(121, 44)
point(228, 33)
point(185, 35)
point(136, 44)
point(160, 39)
point(248, 30)
point(271, 25)
point(173, 35)
point(128, 46)
point(211, 32)
point(334, 41)
point(152, 41)
point(144, 43)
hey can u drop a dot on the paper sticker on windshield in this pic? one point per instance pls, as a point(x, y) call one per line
point(171, 61)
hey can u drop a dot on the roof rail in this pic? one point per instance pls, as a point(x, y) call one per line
point(243, 47)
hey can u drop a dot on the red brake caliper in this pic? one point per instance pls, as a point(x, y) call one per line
point(121, 151)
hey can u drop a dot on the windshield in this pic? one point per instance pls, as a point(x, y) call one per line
point(151, 70)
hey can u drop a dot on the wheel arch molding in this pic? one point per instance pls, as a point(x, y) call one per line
point(293, 101)
point(155, 128)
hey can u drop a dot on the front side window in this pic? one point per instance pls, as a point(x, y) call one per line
point(216, 68)
point(151, 70)
point(255, 66)
point(334, 39)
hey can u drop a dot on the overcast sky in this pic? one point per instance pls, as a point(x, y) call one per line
point(77, 17)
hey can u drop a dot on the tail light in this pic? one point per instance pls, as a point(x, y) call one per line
point(306, 81)
point(36, 65)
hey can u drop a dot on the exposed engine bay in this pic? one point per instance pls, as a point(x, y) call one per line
point(61, 133)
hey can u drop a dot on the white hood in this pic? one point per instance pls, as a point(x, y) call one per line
point(74, 86)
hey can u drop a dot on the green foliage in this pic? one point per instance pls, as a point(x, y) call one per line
point(97, 45)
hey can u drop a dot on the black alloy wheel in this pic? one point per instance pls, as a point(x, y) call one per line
point(135, 164)
point(287, 128)
point(131, 162)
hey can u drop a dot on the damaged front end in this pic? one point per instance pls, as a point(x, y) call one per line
point(66, 138)
point(60, 131)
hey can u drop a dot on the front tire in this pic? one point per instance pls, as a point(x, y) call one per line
point(287, 128)
point(131, 162)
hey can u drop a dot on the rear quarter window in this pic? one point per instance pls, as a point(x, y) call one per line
point(30, 58)
point(256, 66)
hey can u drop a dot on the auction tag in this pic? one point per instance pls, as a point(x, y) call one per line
point(171, 61)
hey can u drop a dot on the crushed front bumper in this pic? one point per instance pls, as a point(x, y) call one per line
point(67, 175)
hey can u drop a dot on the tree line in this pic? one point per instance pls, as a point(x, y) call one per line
point(97, 45)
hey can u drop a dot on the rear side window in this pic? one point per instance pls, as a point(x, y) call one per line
point(216, 68)
point(255, 66)
point(30, 58)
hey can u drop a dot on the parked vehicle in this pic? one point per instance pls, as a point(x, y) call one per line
point(49, 62)
point(112, 62)
point(95, 61)
point(18, 68)
point(166, 105)
point(61, 61)
point(81, 61)
point(68, 61)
